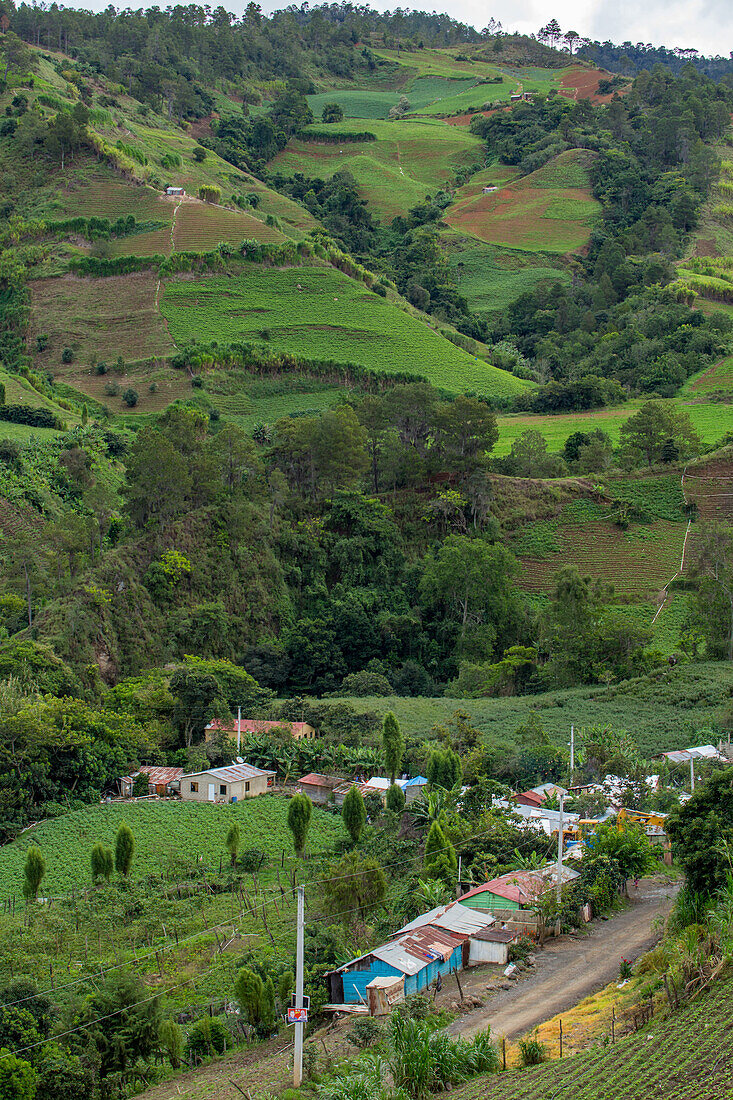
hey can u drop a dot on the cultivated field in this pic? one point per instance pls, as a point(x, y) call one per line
point(319, 313)
point(200, 227)
point(408, 160)
point(550, 210)
point(97, 319)
point(491, 278)
point(665, 710)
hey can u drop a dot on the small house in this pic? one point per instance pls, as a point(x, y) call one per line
point(178, 191)
point(414, 788)
point(162, 782)
point(516, 889)
point(515, 97)
point(529, 798)
point(319, 788)
point(489, 190)
point(413, 962)
point(229, 784)
point(246, 727)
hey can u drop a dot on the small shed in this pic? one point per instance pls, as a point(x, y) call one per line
point(490, 190)
point(529, 798)
point(414, 788)
point(383, 993)
point(319, 788)
point(175, 191)
point(230, 784)
point(161, 781)
point(491, 945)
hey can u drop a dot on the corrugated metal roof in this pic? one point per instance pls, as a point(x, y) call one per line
point(234, 773)
point(157, 776)
point(496, 935)
point(453, 918)
point(413, 952)
point(315, 779)
point(418, 781)
point(522, 886)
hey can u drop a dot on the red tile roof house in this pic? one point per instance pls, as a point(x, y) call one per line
point(529, 798)
point(247, 726)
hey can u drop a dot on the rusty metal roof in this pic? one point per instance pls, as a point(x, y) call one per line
point(234, 773)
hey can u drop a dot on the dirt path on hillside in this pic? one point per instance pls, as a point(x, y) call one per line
point(572, 967)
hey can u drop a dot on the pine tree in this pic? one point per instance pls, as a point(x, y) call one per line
point(33, 872)
point(124, 849)
point(393, 744)
point(299, 819)
point(354, 814)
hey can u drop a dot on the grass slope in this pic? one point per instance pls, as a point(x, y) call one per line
point(671, 708)
point(550, 210)
point(321, 314)
point(491, 278)
point(688, 1056)
point(408, 160)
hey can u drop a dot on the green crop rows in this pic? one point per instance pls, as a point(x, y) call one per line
point(318, 313)
point(686, 1057)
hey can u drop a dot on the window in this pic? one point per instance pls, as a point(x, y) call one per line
point(246, 786)
point(222, 788)
point(194, 788)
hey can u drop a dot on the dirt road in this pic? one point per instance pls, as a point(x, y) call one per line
point(572, 967)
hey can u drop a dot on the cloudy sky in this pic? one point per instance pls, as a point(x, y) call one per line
point(705, 25)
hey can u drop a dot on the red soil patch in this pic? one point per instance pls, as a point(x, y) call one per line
point(465, 120)
point(583, 84)
point(706, 248)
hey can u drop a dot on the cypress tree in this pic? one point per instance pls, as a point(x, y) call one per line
point(124, 849)
point(395, 799)
point(102, 862)
point(33, 872)
point(233, 841)
point(354, 813)
point(393, 744)
point(299, 819)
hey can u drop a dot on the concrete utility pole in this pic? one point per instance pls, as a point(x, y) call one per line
point(239, 729)
point(560, 839)
point(692, 774)
point(299, 1027)
point(572, 753)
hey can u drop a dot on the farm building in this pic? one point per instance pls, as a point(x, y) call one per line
point(175, 191)
point(491, 945)
point(489, 190)
point(244, 727)
point(515, 890)
point(161, 781)
point(319, 788)
point(528, 798)
point(414, 788)
point(229, 784)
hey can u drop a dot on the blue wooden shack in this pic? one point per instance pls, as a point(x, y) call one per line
point(417, 958)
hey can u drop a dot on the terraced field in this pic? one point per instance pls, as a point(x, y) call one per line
point(408, 160)
point(491, 278)
point(637, 561)
point(320, 314)
point(550, 210)
point(200, 227)
point(93, 315)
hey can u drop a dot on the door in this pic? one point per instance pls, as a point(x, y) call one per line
point(212, 787)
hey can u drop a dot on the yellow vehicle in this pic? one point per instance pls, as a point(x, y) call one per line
point(640, 817)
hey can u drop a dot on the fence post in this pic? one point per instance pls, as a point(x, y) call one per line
point(561, 1038)
point(503, 1051)
point(613, 1025)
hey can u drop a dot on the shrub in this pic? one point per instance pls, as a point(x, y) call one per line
point(532, 1052)
point(112, 389)
point(252, 859)
point(366, 1032)
point(199, 154)
point(67, 355)
point(207, 1037)
point(130, 397)
point(41, 342)
point(210, 194)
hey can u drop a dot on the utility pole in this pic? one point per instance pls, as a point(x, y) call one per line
point(560, 839)
point(692, 774)
point(572, 753)
point(460, 858)
point(299, 1026)
point(239, 729)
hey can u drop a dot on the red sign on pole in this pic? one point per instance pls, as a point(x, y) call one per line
point(297, 1015)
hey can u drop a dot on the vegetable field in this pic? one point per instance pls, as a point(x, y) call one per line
point(491, 278)
point(668, 709)
point(686, 1057)
point(319, 313)
point(167, 833)
point(550, 210)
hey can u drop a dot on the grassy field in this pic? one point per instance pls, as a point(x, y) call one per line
point(718, 378)
point(669, 709)
point(687, 1056)
point(247, 401)
point(550, 210)
point(491, 278)
point(321, 314)
point(711, 421)
point(408, 160)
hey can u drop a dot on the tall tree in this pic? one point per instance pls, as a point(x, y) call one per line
point(102, 862)
point(299, 819)
point(354, 813)
point(233, 841)
point(33, 872)
point(393, 744)
point(124, 849)
point(395, 799)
